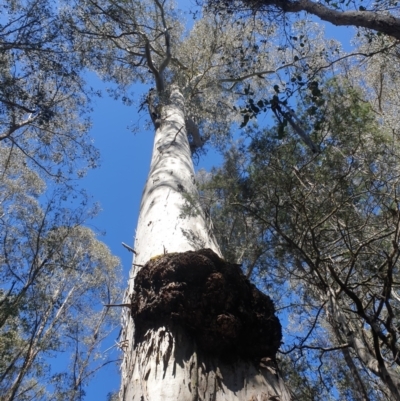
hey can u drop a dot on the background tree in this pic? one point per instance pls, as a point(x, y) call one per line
point(54, 273)
point(323, 230)
point(43, 97)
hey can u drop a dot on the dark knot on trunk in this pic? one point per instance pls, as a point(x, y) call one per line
point(212, 300)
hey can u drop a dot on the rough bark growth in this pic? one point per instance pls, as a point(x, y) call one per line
point(223, 312)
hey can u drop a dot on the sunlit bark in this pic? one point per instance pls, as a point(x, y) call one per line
point(167, 365)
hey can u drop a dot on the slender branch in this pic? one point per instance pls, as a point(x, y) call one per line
point(16, 127)
point(254, 74)
point(32, 158)
point(295, 125)
point(130, 249)
point(157, 75)
point(19, 106)
point(330, 349)
point(301, 346)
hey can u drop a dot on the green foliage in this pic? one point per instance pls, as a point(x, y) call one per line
point(54, 273)
point(43, 100)
point(322, 229)
point(54, 276)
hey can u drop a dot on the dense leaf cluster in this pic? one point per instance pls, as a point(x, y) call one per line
point(310, 206)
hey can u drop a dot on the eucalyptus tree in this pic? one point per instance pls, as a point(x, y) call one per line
point(43, 99)
point(200, 78)
point(54, 272)
point(326, 228)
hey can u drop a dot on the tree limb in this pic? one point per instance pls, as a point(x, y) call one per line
point(376, 21)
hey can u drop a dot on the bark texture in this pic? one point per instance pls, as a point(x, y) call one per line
point(225, 315)
point(166, 366)
point(179, 343)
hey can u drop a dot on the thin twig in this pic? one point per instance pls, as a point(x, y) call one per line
point(130, 249)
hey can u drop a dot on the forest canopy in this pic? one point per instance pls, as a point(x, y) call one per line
point(306, 200)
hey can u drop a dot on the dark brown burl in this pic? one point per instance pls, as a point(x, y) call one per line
point(225, 314)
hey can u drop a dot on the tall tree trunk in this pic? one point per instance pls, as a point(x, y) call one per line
point(359, 392)
point(164, 361)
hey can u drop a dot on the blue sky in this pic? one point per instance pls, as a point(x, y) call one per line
point(117, 184)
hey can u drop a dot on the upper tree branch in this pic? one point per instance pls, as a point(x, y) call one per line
point(294, 122)
point(157, 76)
point(366, 19)
point(158, 73)
point(14, 127)
point(254, 74)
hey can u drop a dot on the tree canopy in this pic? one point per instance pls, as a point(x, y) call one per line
point(320, 230)
point(54, 272)
point(307, 199)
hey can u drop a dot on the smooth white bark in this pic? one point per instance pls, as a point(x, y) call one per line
point(167, 366)
point(161, 226)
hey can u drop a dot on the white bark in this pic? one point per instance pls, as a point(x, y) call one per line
point(161, 226)
point(167, 365)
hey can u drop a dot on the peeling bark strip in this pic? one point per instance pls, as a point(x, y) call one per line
point(226, 316)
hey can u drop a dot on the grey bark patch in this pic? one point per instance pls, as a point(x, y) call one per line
point(212, 300)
